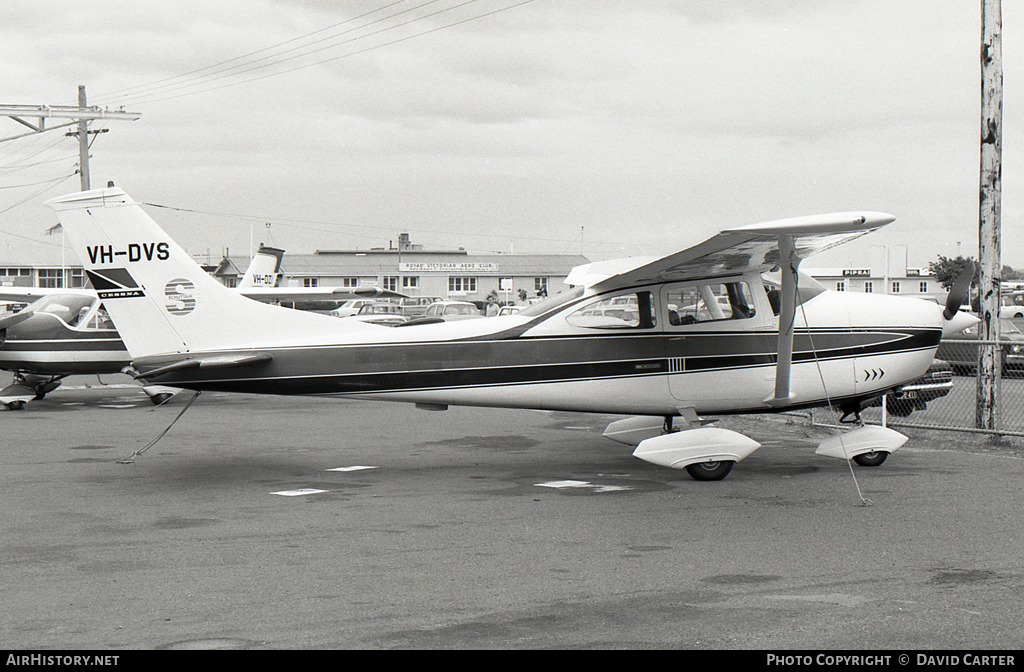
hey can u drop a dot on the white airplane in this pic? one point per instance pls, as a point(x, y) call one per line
point(664, 340)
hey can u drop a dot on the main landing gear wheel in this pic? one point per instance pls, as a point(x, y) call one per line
point(710, 471)
point(161, 398)
point(872, 459)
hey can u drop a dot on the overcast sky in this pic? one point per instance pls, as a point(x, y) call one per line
point(567, 126)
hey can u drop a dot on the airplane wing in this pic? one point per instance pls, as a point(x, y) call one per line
point(30, 294)
point(316, 293)
point(782, 243)
point(739, 250)
point(259, 282)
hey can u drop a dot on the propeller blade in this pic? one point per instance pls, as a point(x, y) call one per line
point(959, 293)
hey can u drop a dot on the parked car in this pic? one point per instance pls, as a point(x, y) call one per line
point(962, 354)
point(453, 310)
point(351, 307)
point(1011, 306)
point(384, 313)
point(414, 306)
point(934, 384)
point(509, 310)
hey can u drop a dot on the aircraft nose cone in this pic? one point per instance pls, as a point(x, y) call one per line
point(958, 323)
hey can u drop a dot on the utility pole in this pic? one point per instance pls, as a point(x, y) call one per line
point(989, 365)
point(83, 143)
point(80, 115)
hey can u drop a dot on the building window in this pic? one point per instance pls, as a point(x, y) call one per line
point(231, 282)
point(350, 282)
point(77, 278)
point(869, 287)
point(461, 285)
point(840, 286)
point(390, 283)
point(895, 286)
point(410, 282)
point(50, 278)
point(924, 287)
point(540, 286)
point(311, 282)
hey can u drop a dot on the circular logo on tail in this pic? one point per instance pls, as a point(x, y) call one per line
point(181, 298)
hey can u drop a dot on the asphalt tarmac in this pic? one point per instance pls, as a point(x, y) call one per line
point(298, 523)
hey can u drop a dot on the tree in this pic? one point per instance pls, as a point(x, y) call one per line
point(1007, 273)
point(946, 270)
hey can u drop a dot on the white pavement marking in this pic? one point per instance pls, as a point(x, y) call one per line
point(564, 484)
point(583, 484)
point(298, 493)
point(352, 468)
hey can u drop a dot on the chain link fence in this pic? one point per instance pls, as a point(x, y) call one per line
point(947, 397)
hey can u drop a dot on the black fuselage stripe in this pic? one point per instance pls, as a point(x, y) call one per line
point(341, 369)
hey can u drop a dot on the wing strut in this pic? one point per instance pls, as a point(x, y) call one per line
point(789, 261)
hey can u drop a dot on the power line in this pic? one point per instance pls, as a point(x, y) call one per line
point(142, 99)
point(154, 86)
point(34, 184)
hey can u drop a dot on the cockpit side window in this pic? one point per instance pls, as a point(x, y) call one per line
point(694, 304)
point(623, 311)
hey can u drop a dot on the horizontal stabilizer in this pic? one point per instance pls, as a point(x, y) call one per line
point(633, 430)
point(208, 362)
point(17, 393)
point(17, 318)
point(705, 444)
point(866, 439)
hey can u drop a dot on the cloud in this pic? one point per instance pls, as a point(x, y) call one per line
point(648, 124)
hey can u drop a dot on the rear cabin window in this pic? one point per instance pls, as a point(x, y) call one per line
point(694, 304)
point(625, 311)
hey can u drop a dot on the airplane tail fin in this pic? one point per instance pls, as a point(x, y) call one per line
point(160, 299)
point(264, 269)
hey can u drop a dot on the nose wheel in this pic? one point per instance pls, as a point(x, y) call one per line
point(872, 459)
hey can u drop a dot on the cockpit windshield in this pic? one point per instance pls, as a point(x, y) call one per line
point(552, 302)
point(72, 309)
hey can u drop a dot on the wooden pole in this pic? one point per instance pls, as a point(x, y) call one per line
point(986, 415)
point(83, 143)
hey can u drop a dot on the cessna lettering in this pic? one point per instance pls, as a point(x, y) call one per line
point(104, 254)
